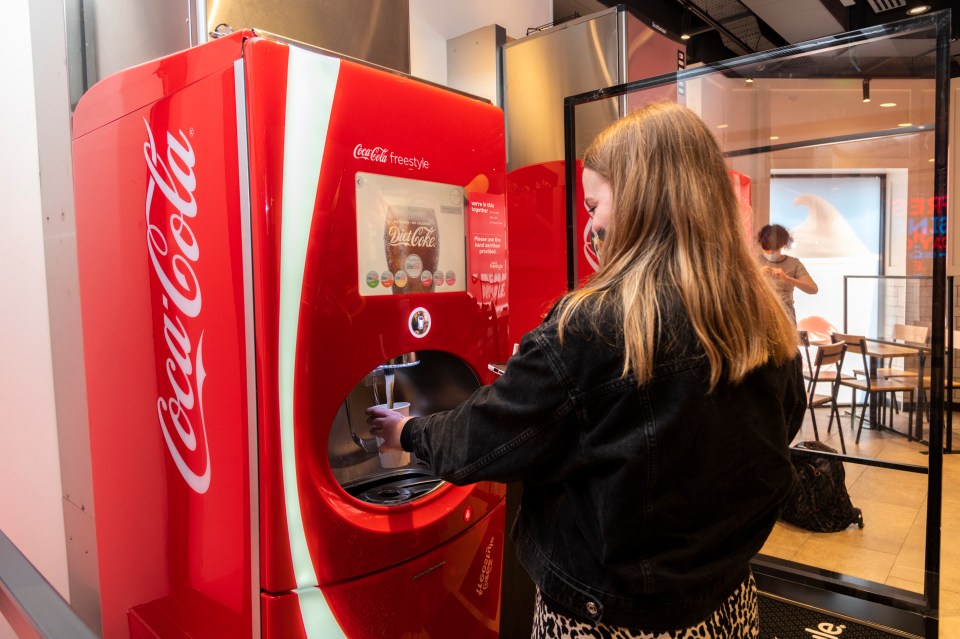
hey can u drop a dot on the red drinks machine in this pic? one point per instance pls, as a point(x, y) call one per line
point(271, 239)
point(539, 269)
point(539, 272)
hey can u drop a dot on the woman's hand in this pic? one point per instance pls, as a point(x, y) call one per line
point(386, 424)
point(777, 274)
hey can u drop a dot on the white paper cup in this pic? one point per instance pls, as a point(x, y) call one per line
point(394, 458)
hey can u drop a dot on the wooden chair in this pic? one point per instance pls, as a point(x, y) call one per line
point(825, 369)
point(923, 385)
point(804, 339)
point(949, 383)
point(907, 333)
point(827, 375)
point(872, 385)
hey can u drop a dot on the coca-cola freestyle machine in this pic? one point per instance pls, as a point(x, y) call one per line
point(270, 240)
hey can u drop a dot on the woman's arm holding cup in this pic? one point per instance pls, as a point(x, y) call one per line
point(387, 424)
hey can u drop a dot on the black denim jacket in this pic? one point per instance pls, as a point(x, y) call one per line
point(642, 506)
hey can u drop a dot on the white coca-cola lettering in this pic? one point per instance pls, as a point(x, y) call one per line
point(376, 154)
point(421, 237)
point(174, 265)
point(179, 361)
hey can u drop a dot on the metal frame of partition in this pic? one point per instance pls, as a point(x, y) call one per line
point(927, 607)
point(32, 607)
point(948, 372)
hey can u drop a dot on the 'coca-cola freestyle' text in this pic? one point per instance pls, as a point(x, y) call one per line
point(181, 405)
point(386, 156)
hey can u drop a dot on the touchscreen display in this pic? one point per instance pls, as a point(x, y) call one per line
point(410, 236)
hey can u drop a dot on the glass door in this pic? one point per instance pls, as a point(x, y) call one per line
point(809, 151)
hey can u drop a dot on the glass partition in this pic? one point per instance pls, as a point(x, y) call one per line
point(843, 141)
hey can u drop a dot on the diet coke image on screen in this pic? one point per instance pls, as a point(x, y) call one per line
point(411, 244)
point(410, 236)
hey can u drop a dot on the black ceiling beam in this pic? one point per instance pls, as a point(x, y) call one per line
point(669, 13)
point(738, 46)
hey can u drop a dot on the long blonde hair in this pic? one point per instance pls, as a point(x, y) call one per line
point(674, 236)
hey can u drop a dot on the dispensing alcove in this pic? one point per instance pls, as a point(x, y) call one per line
point(430, 381)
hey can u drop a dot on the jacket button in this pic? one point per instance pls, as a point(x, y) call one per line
point(592, 609)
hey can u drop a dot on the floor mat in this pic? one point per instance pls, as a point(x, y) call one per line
point(782, 619)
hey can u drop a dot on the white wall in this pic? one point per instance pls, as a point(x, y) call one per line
point(31, 511)
point(433, 22)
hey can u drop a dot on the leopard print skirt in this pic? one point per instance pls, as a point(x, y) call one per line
point(737, 618)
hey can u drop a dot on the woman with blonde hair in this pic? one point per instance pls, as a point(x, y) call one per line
point(649, 415)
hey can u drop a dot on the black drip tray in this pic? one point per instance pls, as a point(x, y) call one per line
point(394, 490)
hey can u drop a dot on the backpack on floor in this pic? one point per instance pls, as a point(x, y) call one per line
point(819, 500)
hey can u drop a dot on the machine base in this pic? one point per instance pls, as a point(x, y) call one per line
point(452, 589)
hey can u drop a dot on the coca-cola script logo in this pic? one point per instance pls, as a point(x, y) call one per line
point(376, 154)
point(180, 406)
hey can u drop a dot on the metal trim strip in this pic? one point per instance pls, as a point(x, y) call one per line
point(246, 248)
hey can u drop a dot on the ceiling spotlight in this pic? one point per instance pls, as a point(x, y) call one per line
point(866, 89)
point(774, 137)
point(904, 125)
point(918, 9)
point(887, 105)
point(749, 80)
point(685, 24)
point(722, 126)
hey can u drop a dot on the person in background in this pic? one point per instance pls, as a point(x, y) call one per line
point(784, 273)
point(649, 415)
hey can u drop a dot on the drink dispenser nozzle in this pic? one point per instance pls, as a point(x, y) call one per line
point(404, 361)
point(386, 369)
